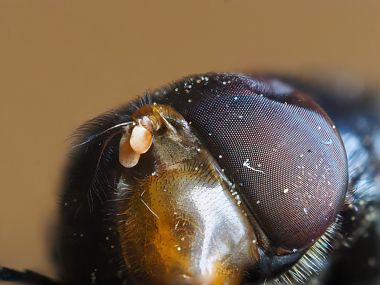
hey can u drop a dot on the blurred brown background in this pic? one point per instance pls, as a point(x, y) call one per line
point(63, 62)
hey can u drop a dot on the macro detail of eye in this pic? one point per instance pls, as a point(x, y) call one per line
point(216, 179)
point(280, 149)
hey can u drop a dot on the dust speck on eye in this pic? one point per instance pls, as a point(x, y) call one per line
point(372, 262)
point(189, 101)
point(93, 277)
point(305, 210)
point(286, 190)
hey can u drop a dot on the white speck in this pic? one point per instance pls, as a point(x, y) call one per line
point(65, 204)
point(295, 250)
point(224, 82)
point(305, 210)
point(220, 156)
point(240, 117)
point(333, 126)
point(327, 142)
point(248, 165)
point(330, 205)
point(258, 202)
point(301, 155)
point(286, 190)
point(182, 238)
point(319, 128)
point(254, 241)
point(179, 248)
point(210, 134)
point(189, 101)
point(165, 190)
point(236, 98)
point(196, 168)
point(107, 238)
point(372, 262)
point(176, 90)
point(112, 246)
point(110, 229)
point(154, 173)
point(198, 150)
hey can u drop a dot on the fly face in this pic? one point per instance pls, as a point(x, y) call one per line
point(223, 179)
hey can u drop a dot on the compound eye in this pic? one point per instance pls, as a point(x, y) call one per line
point(279, 147)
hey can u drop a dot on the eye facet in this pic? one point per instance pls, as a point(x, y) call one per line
point(278, 146)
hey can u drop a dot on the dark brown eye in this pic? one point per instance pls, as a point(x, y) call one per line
point(278, 146)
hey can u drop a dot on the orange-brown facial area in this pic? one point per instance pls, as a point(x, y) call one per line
point(184, 223)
